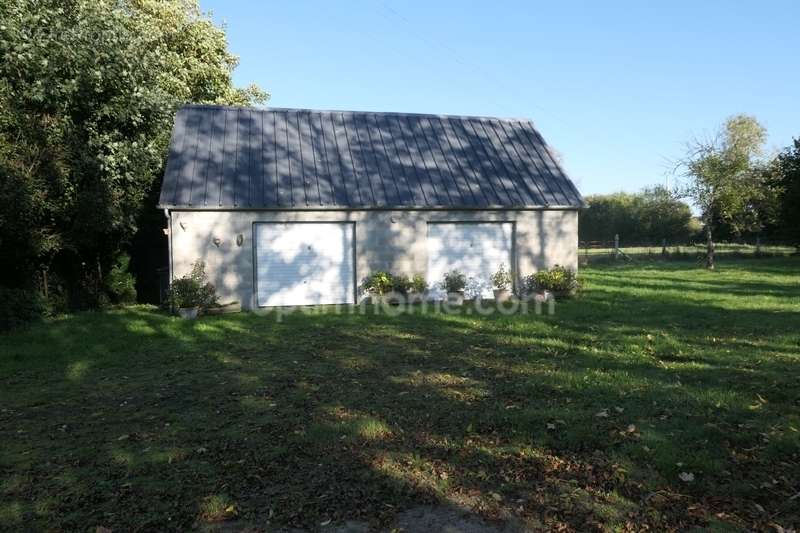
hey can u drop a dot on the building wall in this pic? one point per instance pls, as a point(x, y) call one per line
point(385, 240)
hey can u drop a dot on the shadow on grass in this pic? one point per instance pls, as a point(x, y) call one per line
point(133, 419)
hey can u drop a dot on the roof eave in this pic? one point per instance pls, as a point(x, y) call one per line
point(374, 208)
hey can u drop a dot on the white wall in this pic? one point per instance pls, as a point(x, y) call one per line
point(385, 240)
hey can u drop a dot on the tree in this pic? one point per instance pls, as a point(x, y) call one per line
point(662, 216)
point(726, 178)
point(88, 91)
point(787, 182)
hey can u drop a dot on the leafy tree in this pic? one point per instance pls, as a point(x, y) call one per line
point(787, 182)
point(662, 216)
point(88, 91)
point(726, 178)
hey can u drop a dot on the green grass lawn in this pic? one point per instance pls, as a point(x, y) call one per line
point(696, 250)
point(134, 420)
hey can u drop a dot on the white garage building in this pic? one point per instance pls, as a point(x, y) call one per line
point(295, 207)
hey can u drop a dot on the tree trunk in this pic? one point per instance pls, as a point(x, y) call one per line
point(709, 247)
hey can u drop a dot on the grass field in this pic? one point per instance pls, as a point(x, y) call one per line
point(688, 251)
point(665, 396)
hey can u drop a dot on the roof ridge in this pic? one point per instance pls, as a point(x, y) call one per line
point(357, 112)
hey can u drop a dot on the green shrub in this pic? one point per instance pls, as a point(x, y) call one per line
point(120, 283)
point(558, 279)
point(19, 306)
point(401, 284)
point(454, 281)
point(418, 283)
point(501, 280)
point(378, 283)
point(193, 289)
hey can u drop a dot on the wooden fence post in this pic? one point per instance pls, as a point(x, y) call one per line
point(616, 246)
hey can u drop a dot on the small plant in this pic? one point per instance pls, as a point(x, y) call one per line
point(559, 280)
point(418, 284)
point(454, 281)
point(120, 282)
point(378, 283)
point(401, 284)
point(193, 289)
point(501, 280)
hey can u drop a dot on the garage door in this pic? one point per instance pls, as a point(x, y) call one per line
point(477, 250)
point(304, 263)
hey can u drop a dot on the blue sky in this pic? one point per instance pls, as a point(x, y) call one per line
point(617, 88)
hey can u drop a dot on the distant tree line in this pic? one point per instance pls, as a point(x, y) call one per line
point(646, 217)
point(739, 195)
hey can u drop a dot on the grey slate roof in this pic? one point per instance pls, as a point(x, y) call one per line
point(242, 158)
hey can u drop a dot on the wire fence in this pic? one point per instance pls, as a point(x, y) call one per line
point(617, 250)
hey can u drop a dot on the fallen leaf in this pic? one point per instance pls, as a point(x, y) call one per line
point(686, 477)
point(496, 496)
point(602, 414)
point(551, 426)
point(325, 523)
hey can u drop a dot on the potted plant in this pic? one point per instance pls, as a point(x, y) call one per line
point(401, 286)
point(378, 284)
point(418, 288)
point(559, 281)
point(501, 281)
point(192, 292)
point(454, 283)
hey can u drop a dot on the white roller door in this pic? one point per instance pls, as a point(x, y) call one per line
point(304, 263)
point(476, 249)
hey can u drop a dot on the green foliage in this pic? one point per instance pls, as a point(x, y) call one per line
point(378, 283)
point(727, 179)
point(418, 283)
point(787, 183)
point(401, 284)
point(501, 279)
point(454, 281)
point(557, 279)
point(88, 91)
point(193, 289)
point(642, 218)
point(120, 282)
point(19, 306)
